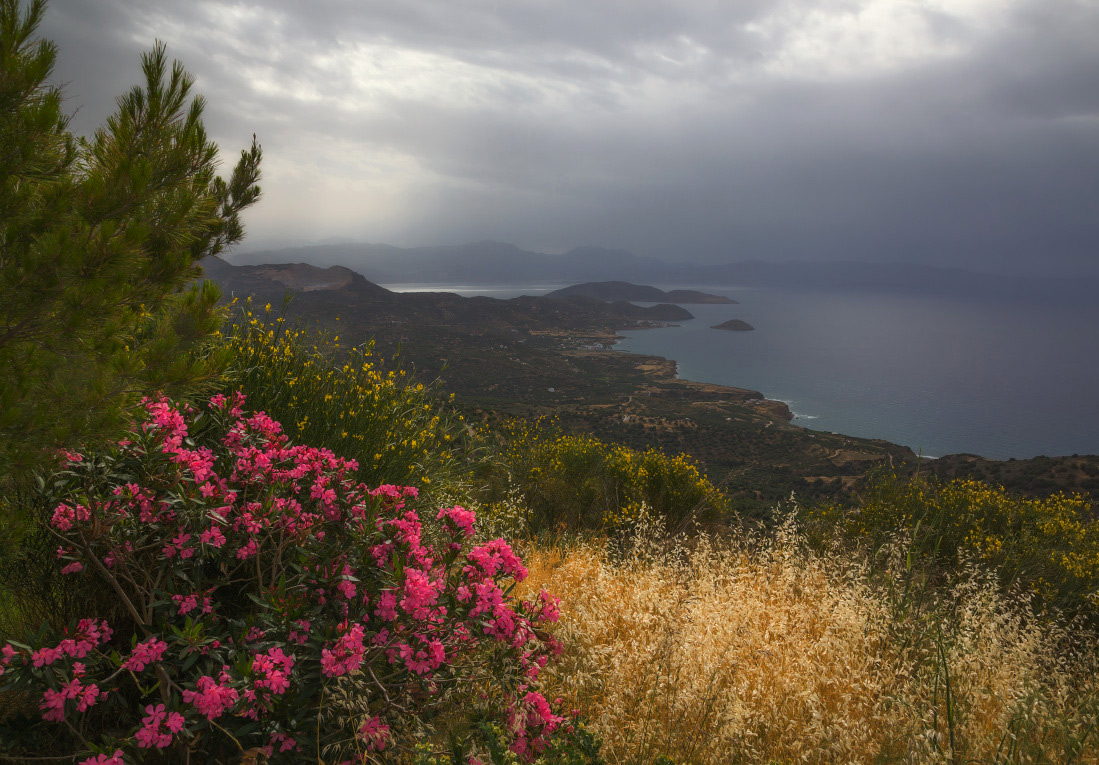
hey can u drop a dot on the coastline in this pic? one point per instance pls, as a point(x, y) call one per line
point(504, 359)
point(666, 369)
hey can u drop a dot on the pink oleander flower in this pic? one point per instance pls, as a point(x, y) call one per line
point(300, 633)
point(320, 534)
point(549, 611)
point(73, 568)
point(86, 697)
point(105, 759)
point(178, 546)
point(52, 706)
point(248, 550)
point(420, 593)
point(212, 536)
point(272, 670)
point(211, 699)
point(345, 655)
point(196, 601)
point(387, 606)
point(346, 586)
point(144, 654)
point(45, 656)
point(421, 661)
point(284, 743)
point(65, 516)
point(374, 734)
point(493, 556)
point(458, 517)
point(158, 727)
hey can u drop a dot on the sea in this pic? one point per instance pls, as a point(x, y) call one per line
point(941, 375)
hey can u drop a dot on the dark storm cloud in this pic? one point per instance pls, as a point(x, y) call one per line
point(944, 131)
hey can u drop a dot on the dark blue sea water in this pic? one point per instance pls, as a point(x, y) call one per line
point(941, 375)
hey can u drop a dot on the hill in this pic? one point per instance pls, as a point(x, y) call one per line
point(638, 293)
point(734, 325)
point(324, 293)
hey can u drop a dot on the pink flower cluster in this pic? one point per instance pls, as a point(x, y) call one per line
point(345, 655)
point(7, 653)
point(283, 742)
point(459, 519)
point(271, 670)
point(158, 727)
point(270, 568)
point(374, 734)
point(211, 698)
point(105, 759)
point(53, 702)
point(65, 516)
point(534, 722)
point(144, 654)
point(200, 602)
point(89, 634)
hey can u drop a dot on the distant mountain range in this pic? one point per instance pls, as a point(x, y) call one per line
point(322, 294)
point(498, 263)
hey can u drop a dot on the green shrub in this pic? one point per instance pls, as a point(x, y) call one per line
point(577, 482)
point(399, 431)
point(1047, 547)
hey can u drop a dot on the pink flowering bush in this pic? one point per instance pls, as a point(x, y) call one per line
point(270, 603)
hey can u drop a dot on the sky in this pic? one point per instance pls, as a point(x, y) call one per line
point(946, 132)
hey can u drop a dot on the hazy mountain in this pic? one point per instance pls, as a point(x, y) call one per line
point(496, 263)
point(475, 263)
point(322, 294)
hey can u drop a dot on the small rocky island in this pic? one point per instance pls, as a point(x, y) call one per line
point(637, 293)
point(734, 325)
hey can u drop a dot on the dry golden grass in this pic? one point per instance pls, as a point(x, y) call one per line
point(759, 650)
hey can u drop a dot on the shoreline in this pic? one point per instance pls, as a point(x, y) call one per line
point(779, 407)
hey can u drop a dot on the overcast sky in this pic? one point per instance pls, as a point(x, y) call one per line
point(955, 132)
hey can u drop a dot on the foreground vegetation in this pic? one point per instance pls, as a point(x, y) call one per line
point(755, 648)
point(887, 632)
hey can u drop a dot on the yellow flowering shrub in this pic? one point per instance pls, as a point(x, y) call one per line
point(344, 399)
point(577, 482)
point(1049, 547)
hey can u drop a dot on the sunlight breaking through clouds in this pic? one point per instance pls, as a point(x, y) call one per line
point(865, 129)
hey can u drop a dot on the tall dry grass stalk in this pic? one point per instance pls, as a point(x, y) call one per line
point(759, 650)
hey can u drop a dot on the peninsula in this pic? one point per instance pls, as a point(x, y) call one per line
point(637, 293)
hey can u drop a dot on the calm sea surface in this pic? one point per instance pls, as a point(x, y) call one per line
point(939, 375)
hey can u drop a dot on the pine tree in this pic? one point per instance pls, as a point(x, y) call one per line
point(99, 244)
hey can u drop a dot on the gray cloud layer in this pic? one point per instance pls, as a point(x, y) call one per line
point(961, 132)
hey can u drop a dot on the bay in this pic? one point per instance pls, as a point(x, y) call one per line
point(940, 375)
